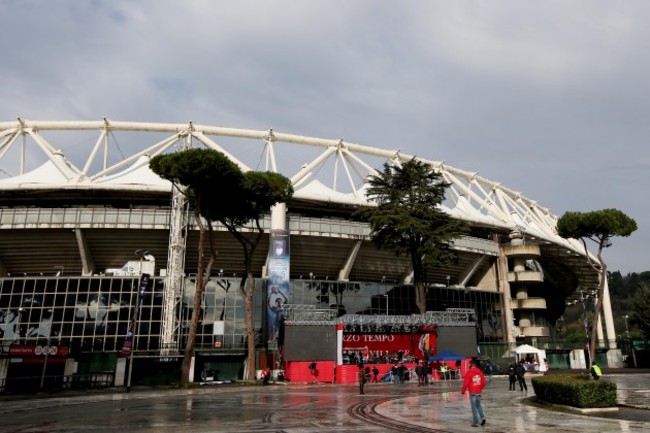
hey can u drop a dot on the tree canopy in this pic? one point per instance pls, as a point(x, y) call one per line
point(641, 309)
point(218, 189)
point(408, 219)
point(257, 192)
point(598, 226)
point(203, 172)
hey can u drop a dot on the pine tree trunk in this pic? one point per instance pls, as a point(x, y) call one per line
point(248, 292)
point(421, 297)
point(196, 311)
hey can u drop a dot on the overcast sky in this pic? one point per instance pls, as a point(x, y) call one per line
point(550, 98)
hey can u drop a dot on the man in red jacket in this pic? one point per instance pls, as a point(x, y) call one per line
point(475, 382)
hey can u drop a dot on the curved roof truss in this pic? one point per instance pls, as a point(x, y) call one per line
point(89, 165)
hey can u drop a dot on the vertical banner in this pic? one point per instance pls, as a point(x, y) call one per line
point(126, 350)
point(278, 283)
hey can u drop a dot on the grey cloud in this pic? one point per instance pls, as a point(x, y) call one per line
point(549, 98)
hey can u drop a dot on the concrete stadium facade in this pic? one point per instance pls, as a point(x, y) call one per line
point(78, 199)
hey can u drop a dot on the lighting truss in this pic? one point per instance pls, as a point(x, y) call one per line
point(307, 315)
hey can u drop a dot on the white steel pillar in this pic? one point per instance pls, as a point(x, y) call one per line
point(609, 318)
point(278, 222)
point(279, 217)
point(87, 266)
point(506, 301)
point(599, 332)
point(344, 273)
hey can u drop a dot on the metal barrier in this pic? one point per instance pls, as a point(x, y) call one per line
point(104, 379)
point(32, 384)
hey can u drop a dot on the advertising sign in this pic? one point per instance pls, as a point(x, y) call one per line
point(278, 283)
point(38, 350)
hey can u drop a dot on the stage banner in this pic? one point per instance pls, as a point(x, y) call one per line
point(278, 282)
point(418, 345)
point(125, 352)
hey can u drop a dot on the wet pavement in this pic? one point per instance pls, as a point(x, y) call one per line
point(319, 408)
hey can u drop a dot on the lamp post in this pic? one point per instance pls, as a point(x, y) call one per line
point(144, 281)
point(386, 296)
point(586, 323)
point(630, 346)
point(135, 319)
point(47, 352)
point(19, 324)
point(49, 330)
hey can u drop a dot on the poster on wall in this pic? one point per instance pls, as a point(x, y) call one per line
point(278, 282)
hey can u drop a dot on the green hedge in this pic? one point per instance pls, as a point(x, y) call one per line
point(577, 390)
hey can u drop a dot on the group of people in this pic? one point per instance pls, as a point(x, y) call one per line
point(399, 373)
point(423, 371)
point(516, 373)
point(474, 382)
point(374, 357)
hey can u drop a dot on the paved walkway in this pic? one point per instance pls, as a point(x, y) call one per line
point(328, 408)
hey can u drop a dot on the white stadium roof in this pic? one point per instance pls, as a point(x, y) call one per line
point(335, 171)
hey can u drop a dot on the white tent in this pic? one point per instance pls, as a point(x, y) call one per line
point(526, 352)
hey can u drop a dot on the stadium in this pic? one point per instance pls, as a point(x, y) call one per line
point(82, 217)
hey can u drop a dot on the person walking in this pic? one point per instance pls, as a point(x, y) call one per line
point(375, 374)
point(596, 372)
point(512, 376)
point(362, 379)
point(474, 382)
point(521, 371)
point(314, 372)
point(266, 376)
point(489, 369)
point(420, 373)
point(394, 373)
